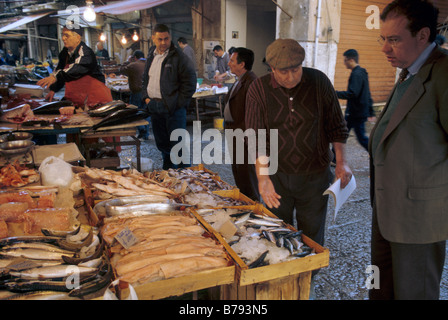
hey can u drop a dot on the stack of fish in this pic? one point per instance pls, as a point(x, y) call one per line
point(71, 263)
point(167, 246)
point(259, 239)
point(195, 180)
point(107, 184)
point(211, 200)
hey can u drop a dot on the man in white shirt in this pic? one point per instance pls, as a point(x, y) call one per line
point(169, 82)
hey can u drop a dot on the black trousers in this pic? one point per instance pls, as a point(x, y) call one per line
point(304, 194)
point(406, 271)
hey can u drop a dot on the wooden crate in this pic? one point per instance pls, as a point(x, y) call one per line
point(293, 287)
point(287, 280)
point(179, 285)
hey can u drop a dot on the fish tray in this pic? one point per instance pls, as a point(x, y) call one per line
point(295, 273)
point(178, 286)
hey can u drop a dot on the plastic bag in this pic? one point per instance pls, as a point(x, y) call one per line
point(54, 171)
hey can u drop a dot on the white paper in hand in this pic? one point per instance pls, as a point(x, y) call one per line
point(340, 195)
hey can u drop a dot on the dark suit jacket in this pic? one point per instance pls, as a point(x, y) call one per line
point(409, 171)
point(237, 101)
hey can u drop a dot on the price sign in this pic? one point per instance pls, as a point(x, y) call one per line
point(126, 238)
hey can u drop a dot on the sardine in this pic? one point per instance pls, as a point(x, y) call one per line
point(77, 260)
point(243, 219)
point(33, 254)
point(11, 240)
point(280, 242)
point(59, 271)
point(269, 236)
point(288, 245)
point(305, 250)
point(259, 261)
point(296, 243)
point(38, 246)
point(262, 222)
point(107, 108)
point(143, 208)
point(99, 282)
point(52, 107)
point(74, 245)
point(259, 216)
point(56, 233)
point(42, 295)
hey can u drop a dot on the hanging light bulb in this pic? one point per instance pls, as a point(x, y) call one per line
point(102, 37)
point(123, 40)
point(135, 36)
point(89, 13)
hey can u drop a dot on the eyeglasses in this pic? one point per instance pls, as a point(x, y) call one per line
point(392, 41)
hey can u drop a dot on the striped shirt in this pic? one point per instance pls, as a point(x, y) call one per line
point(307, 118)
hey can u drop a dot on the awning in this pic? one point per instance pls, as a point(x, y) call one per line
point(129, 6)
point(118, 7)
point(23, 21)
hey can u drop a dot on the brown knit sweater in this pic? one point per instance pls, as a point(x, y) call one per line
point(308, 118)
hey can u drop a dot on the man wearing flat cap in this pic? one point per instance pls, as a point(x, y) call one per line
point(78, 70)
point(301, 105)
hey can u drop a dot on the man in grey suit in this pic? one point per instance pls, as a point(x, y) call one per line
point(409, 158)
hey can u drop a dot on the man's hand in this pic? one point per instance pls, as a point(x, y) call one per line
point(46, 82)
point(49, 96)
point(342, 170)
point(267, 192)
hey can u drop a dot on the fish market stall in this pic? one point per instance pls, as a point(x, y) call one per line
point(48, 248)
point(112, 119)
point(267, 259)
point(167, 252)
point(274, 260)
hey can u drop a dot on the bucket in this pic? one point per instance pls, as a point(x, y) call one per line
point(218, 123)
point(146, 164)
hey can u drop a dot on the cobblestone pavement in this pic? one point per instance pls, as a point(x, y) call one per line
point(347, 237)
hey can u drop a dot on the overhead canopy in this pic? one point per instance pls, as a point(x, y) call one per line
point(119, 7)
point(23, 21)
point(127, 6)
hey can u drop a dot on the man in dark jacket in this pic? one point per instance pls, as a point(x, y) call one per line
point(169, 82)
point(134, 71)
point(359, 102)
point(240, 64)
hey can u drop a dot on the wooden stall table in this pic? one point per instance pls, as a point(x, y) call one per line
point(122, 130)
point(208, 95)
point(119, 86)
point(78, 126)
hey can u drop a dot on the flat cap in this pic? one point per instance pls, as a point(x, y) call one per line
point(70, 25)
point(284, 54)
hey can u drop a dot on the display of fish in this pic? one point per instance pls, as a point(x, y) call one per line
point(126, 115)
point(107, 108)
point(32, 264)
point(58, 271)
point(52, 107)
point(143, 208)
point(18, 114)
